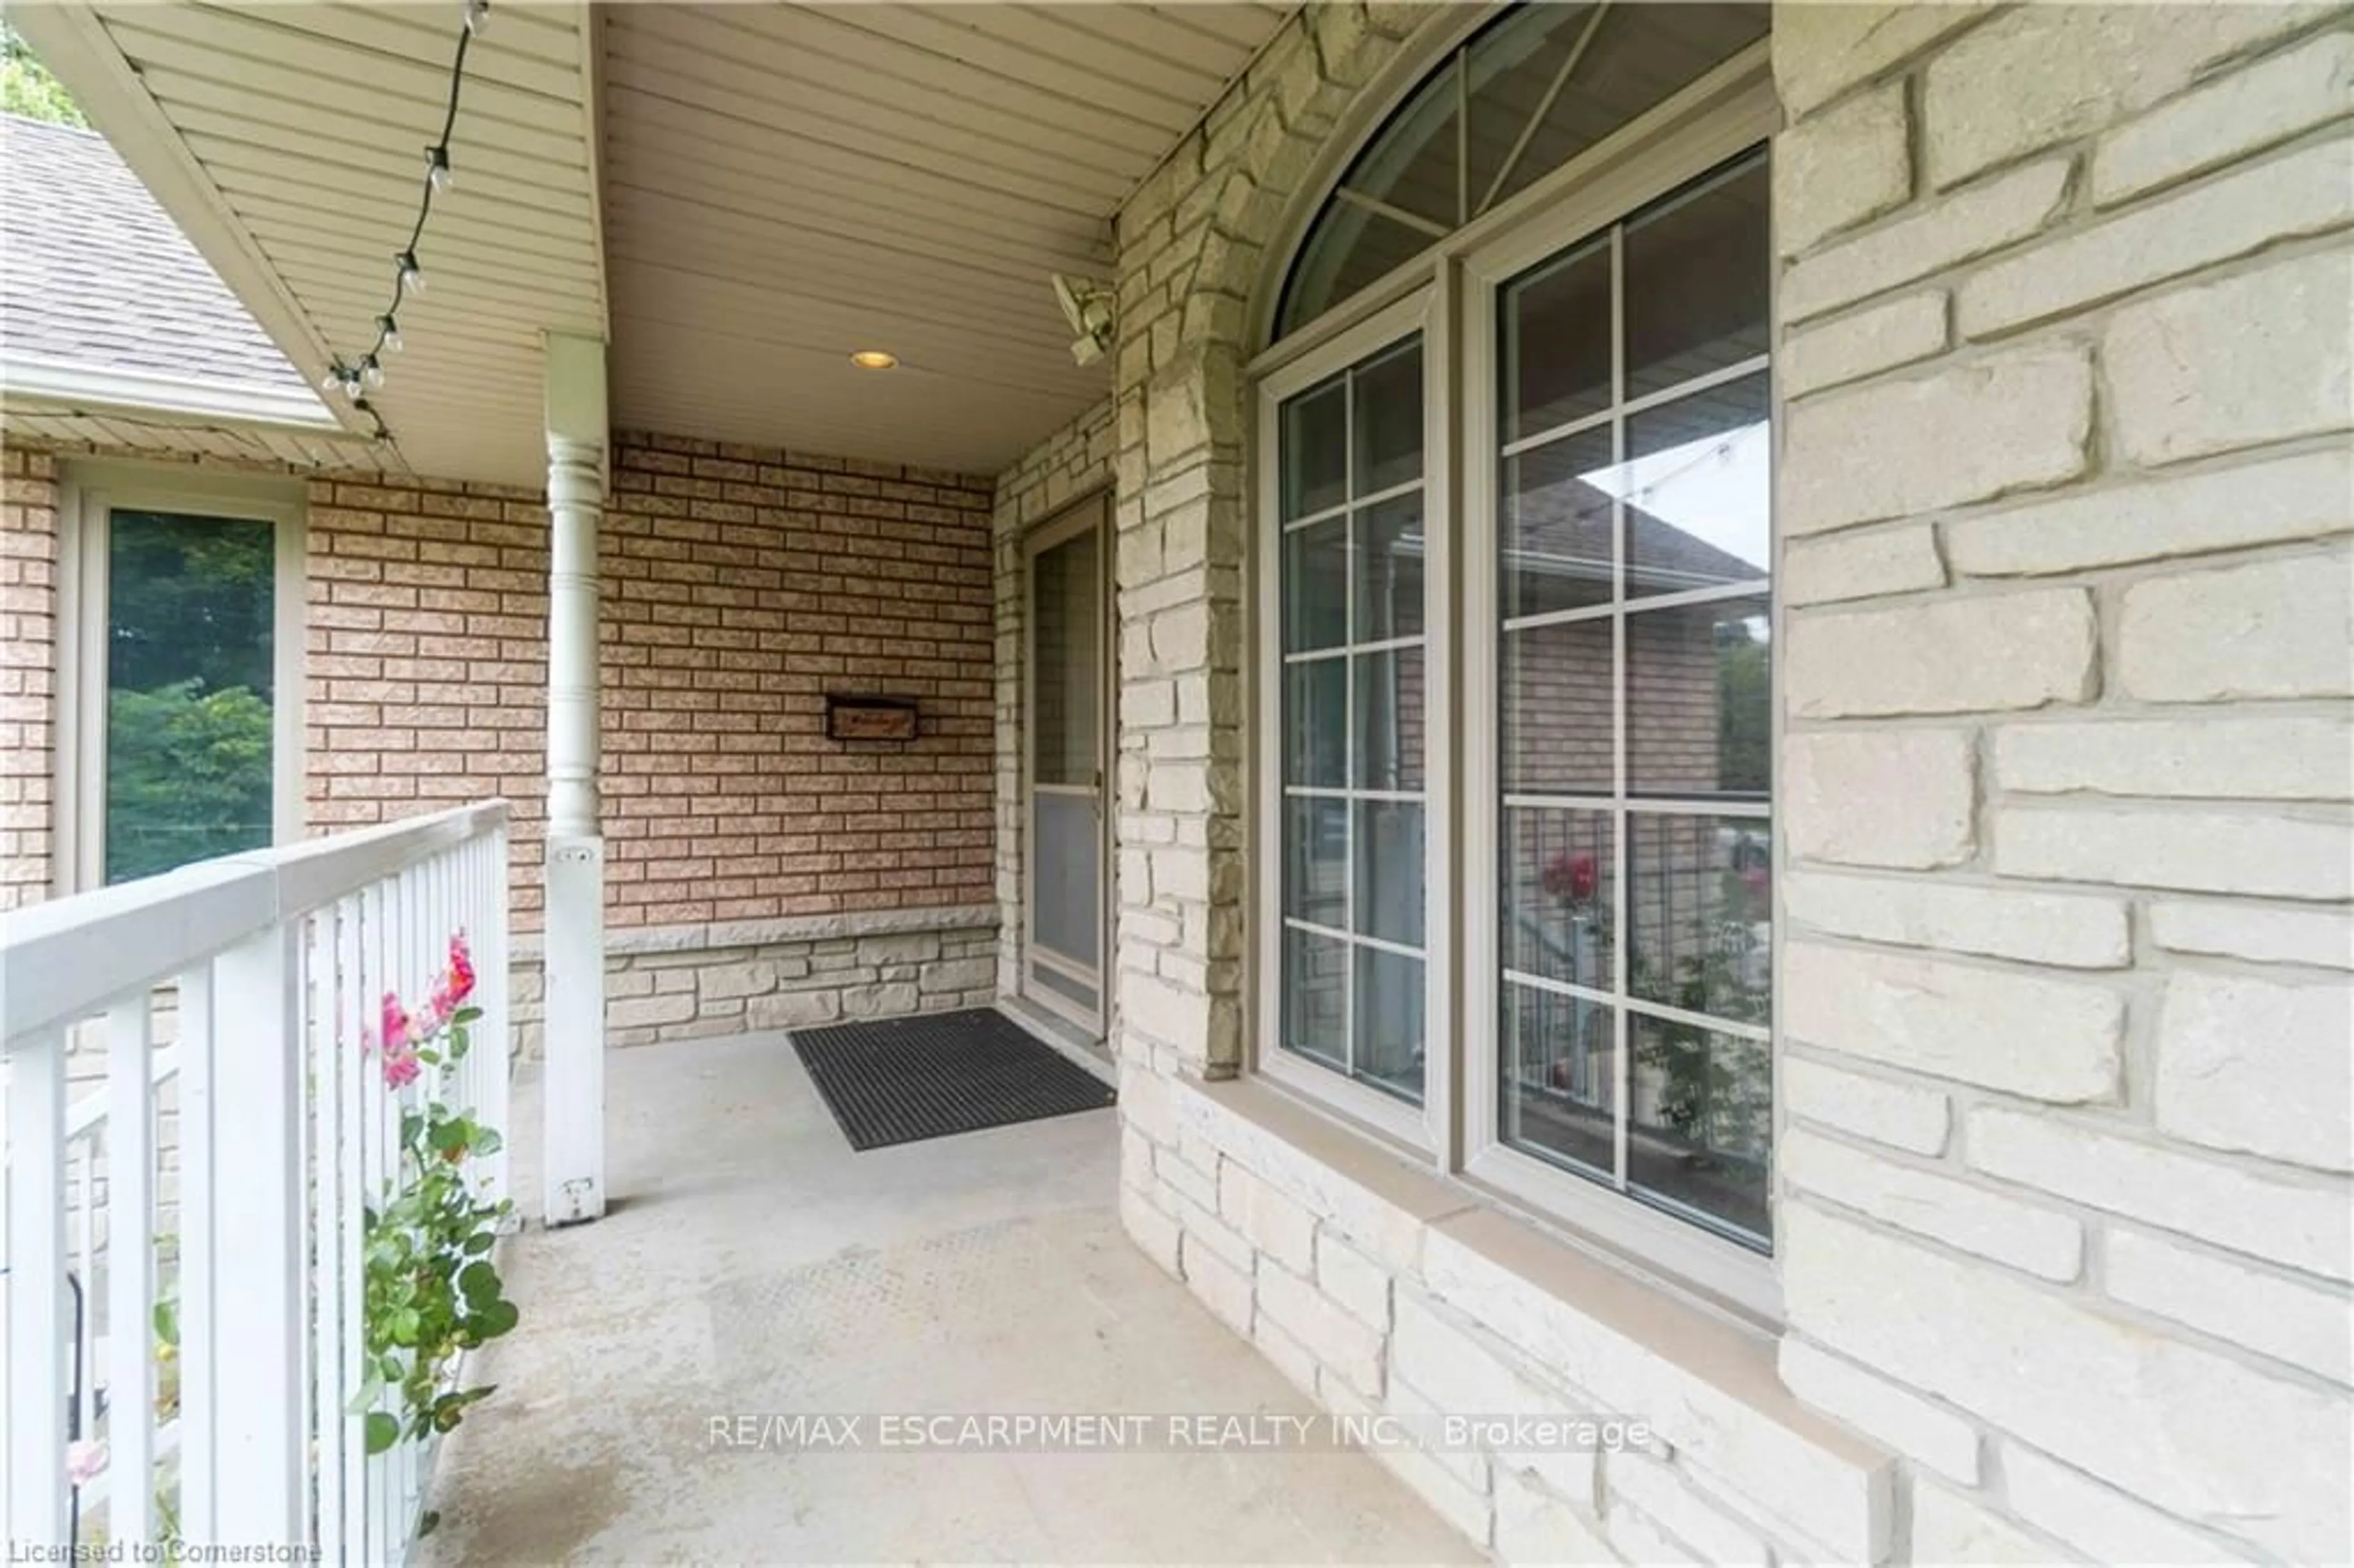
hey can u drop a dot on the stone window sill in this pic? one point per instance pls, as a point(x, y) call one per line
point(1702, 1374)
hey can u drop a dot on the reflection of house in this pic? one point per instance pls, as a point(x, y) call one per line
point(1697, 673)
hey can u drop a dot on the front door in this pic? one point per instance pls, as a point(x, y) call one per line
point(1070, 690)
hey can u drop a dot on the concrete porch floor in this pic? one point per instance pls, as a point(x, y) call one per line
point(752, 1265)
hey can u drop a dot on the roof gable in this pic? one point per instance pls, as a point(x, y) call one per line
point(101, 291)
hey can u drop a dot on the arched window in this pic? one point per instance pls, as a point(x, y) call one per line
point(1524, 95)
point(1516, 631)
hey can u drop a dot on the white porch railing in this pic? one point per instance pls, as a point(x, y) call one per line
point(227, 1172)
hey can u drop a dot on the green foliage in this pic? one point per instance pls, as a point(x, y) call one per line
point(1714, 1088)
point(190, 595)
point(190, 672)
point(27, 87)
point(187, 775)
point(1745, 710)
point(430, 1290)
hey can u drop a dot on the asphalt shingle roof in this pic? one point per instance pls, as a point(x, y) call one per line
point(94, 274)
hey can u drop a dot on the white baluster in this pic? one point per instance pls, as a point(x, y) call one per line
point(380, 1116)
point(327, 1064)
point(258, 1003)
point(130, 1272)
point(414, 940)
point(493, 964)
point(199, 1264)
point(83, 1153)
point(349, 1476)
point(38, 1313)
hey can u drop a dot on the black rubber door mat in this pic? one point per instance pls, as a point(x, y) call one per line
point(902, 1080)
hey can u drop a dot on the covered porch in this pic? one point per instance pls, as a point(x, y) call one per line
point(703, 1375)
point(751, 1269)
point(1663, 683)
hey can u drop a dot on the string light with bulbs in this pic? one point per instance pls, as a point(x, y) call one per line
point(355, 378)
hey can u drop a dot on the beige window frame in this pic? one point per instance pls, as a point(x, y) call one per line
point(1449, 294)
point(91, 492)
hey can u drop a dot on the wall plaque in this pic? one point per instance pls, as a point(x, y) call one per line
point(870, 718)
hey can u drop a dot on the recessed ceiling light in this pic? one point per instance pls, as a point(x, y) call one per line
point(873, 359)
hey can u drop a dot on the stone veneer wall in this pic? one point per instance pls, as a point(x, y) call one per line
point(2063, 1209)
point(1073, 462)
point(690, 982)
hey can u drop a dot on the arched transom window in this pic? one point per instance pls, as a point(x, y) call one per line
point(1514, 588)
point(1524, 95)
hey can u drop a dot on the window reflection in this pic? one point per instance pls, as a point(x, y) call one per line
point(1698, 281)
point(1389, 1022)
point(1556, 700)
point(1701, 923)
point(1635, 666)
point(1560, 883)
point(1555, 548)
point(1560, 1091)
point(1698, 485)
point(190, 672)
point(1699, 710)
point(1701, 1124)
point(1355, 710)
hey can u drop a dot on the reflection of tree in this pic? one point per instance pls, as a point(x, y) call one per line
point(1744, 675)
point(189, 679)
point(1714, 1089)
point(188, 595)
point(187, 776)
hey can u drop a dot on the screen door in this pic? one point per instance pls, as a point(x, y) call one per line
point(1069, 690)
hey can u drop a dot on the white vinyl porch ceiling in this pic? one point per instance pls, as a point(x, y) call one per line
point(287, 142)
point(785, 184)
point(738, 196)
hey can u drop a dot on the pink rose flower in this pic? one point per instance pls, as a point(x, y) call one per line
point(1573, 876)
point(84, 1460)
point(451, 990)
point(400, 1069)
point(461, 972)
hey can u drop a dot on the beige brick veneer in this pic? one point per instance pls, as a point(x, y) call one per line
point(740, 587)
point(28, 670)
point(2064, 1216)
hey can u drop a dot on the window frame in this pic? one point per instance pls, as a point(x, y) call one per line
point(1421, 1128)
point(90, 494)
point(1687, 1248)
point(1450, 292)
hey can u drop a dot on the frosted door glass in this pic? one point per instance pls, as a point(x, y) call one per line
point(1064, 920)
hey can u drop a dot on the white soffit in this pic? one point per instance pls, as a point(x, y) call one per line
point(287, 142)
point(786, 184)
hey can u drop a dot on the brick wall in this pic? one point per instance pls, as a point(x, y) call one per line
point(425, 657)
point(2065, 1002)
point(740, 587)
point(28, 622)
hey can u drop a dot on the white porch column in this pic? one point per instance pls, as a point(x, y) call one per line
point(573, 1172)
